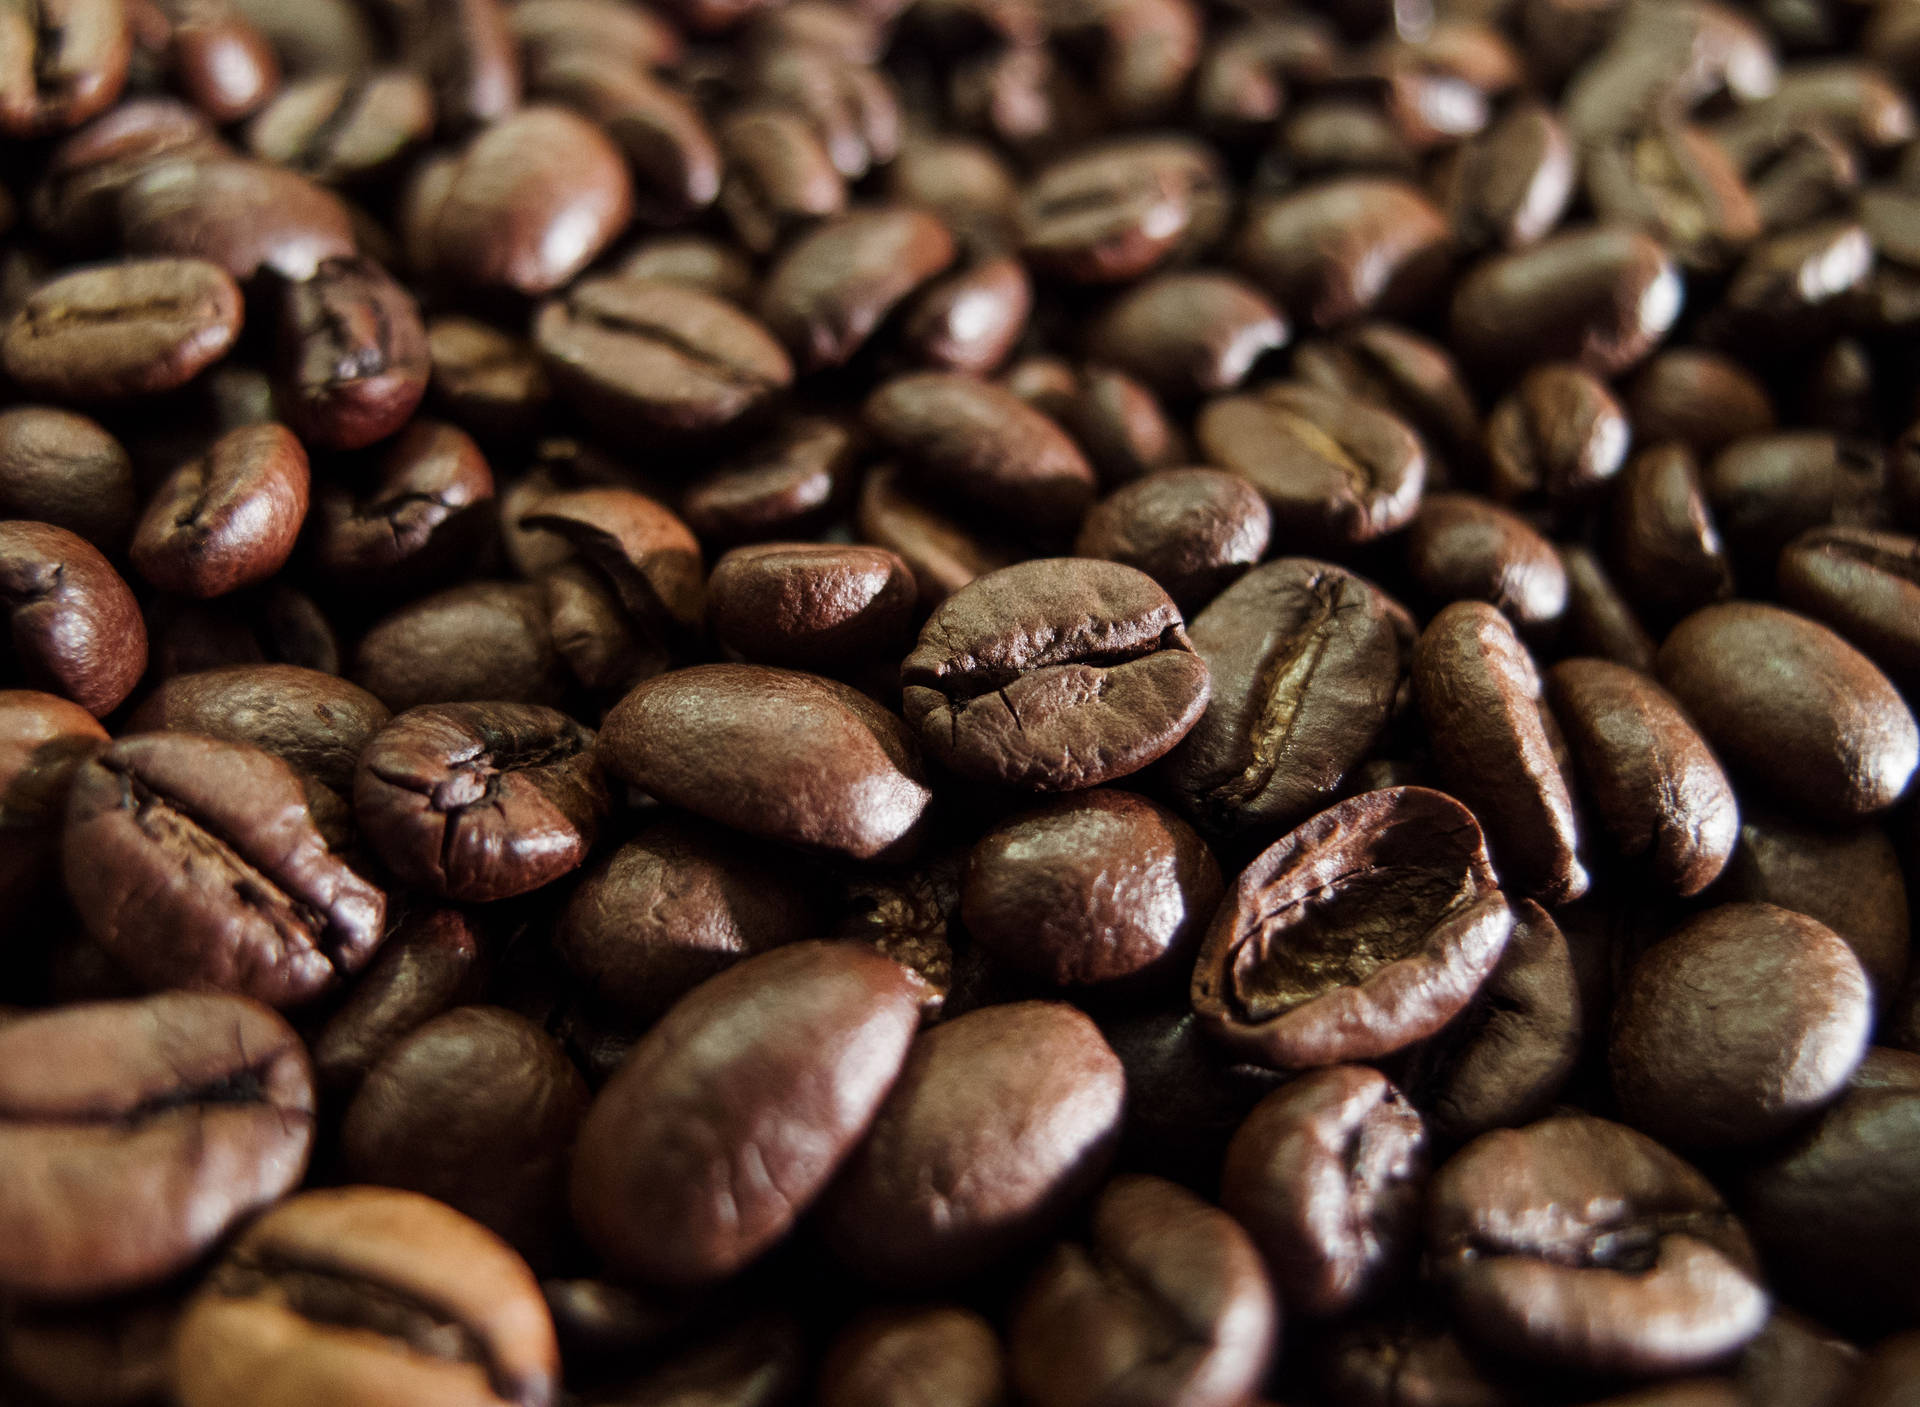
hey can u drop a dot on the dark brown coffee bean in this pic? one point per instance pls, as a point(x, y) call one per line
point(1864, 584)
point(888, 1357)
point(1887, 1378)
point(479, 1109)
point(352, 354)
point(491, 383)
point(216, 57)
point(43, 739)
point(1000, 1122)
point(1795, 707)
point(422, 511)
point(1403, 373)
point(1850, 101)
point(245, 216)
point(632, 352)
point(1168, 1304)
point(123, 329)
point(1305, 661)
point(1666, 547)
point(1092, 889)
point(675, 160)
point(831, 290)
point(358, 1291)
point(61, 468)
point(1054, 675)
point(1122, 426)
point(787, 756)
point(780, 1063)
point(1599, 621)
point(975, 443)
point(760, 1361)
point(227, 520)
point(484, 640)
point(1189, 334)
point(1678, 184)
point(1602, 297)
point(344, 128)
point(1192, 530)
point(196, 863)
point(477, 802)
point(1509, 186)
point(77, 197)
point(850, 102)
point(694, 261)
point(787, 485)
point(1738, 1027)
point(138, 1132)
point(1791, 285)
point(465, 49)
point(1765, 490)
point(431, 962)
point(1795, 1360)
point(1347, 249)
point(636, 37)
point(1637, 1268)
point(1668, 57)
point(970, 319)
point(1111, 213)
point(1284, 975)
point(1650, 777)
point(1463, 548)
point(963, 181)
point(1559, 437)
point(633, 551)
point(1497, 747)
point(61, 61)
point(1413, 1356)
point(943, 554)
point(1328, 1175)
point(810, 604)
point(526, 205)
point(98, 1353)
point(780, 178)
point(76, 628)
point(1334, 470)
point(1698, 397)
point(1342, 137)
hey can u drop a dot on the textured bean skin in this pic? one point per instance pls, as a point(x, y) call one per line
point(227, 521)
point(76, 628)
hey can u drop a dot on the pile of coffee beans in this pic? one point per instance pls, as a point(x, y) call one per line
point(959, 703)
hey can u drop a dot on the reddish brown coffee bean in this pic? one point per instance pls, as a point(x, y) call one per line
point(810, 605)
point(491, 383)
point(465, 50)
point(228, 520)
point(245, 216)
point(1599, 621)
point(484, 640)
point(787, 485)
point(1560, 436)
point(942, 553)
point(61, 468)
point(1110, 213)
point(353, 356)
point(780, 178)
point(1864, 584)
point(1192, 530)
point(1509, 186)
point(1463, 548)
point(1346, 249)
point(941, 1352)
point(1679, 185)
point(430, 963)
point(831, 290)
point(970, 320)
point(43, 739)
point(64, 60)
point(1189, 334)
point(76, 629)
point(694, 261)
point(316, 723)
point(1666, 548)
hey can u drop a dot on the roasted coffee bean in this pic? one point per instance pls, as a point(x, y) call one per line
point(353, 358)
point(1497, 746)
point(1396, 1356)
point(244, 216)
point(694, 261)
point(942, 553)
point(1328, 1176)
point(643, 555)
point(1559, 437)
point(810, 604)
point(1335, 471)
point(197, 863)
point(484, 640)
point(1666, 548)
point(1405, 373)
point(1579, 1243)
point(1346, 249)
point(1796, 1360)
point(1115, 211)
point(1000, 1122)
point(79, 192)
point(98, 1353)
point(76, 628)
point(1189, 334)
point(1194, 531)
point(1765, 490)
point(637, 37)
point(65, 61)
point(970, 319)
point(272, 625)
point(491, 383)
point(939, 1353)
point(227, 520)
point(1679, 185)
point(1169, 1304)
point(1054, 675)
point(1325, 951)
point(476, 802)
point(1463, 548)
point(43, 740)
point(788, 756)
point(215, 56)
point(477, 1108)
point(1126, 432)
point(1738, 1027)
point(344, 128)
point(830, 290)
point(139, 1132)
point(780, 177)
point(1649, 776)
point(787, 485)
point(421, 512)
point(367, 1292)
point(1599, 621)
point(431, 962)
point(1786, 701)
point(61, 468)
point(1509, 186)
point(1864, 584)
point(681, 363)
point(124, 329)
point(1698, 397)
point(465, 49)
point(1305, 660)
point(781, 1062)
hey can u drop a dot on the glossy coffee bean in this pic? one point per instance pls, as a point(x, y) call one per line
point(353, 357)
point(483, 640)
point(344, 128)
point(61, 468)
point(971, 319)
point(139, 1132)
point(781, 1063)
point(1462, 548)
point(244, 216)
point(1698, 397)
point(76, 629)
point(197, 863)
point(1189, 334)
point(1667, 551)
point(125, 329)
point(1054, 675)
point(1000, 1122)
point(1095, 888)
point(1282, 976)
point(330, 1295)
point(465, 50)
point(938, 1353)
point(1509, 186)
point(43, 740)
point(830, 290)
point(228, 520)
point(65, 62)
point(1737, 1027)
point(477, 802)
point(1169, 1303)
point(808, 605)
point(786, 485)
point(412, 519)
point(1866, 585)
point(1599, 620)
point(1560, 436)
point(787, 756)
point(1192, 530)
point(1790, 703)
point(1111, 213)
point(485, 380)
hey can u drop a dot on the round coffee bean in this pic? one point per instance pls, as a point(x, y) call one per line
point(788, 485)
point(196, 863)
point(1463, 548)
point(60, 468)
point(1559, 437)
point(431, 962)
point(810, 604)
point(940, 1353)
point(1112, 212)
point(352, 354)
point(137, 1133)
point(75, 626)
point(332, 1294)
point(1738, 1027)
point(1192, 530)
point(1000, 1122)
point(489, 382)
point(477, 801)
point(244, 216)
point(1325, 950)
point(733, 1113)
point(127, 329)
point(1054, 675)
point(787, 756)
point(1189, 334)
point(970, 320)
point(484, 640)
point(1792, 704)
point(831, 290)
point(226, 520)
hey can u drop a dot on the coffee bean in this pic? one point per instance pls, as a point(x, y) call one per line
point(830, 291)
point(781, 1062)
point(786, 485)
point(1864, 584)
point(75, 626)
point(120, 330)
point(637, 37)
point(43, 740)
point(65, 61)
point(489, 382)
point(483, 640)
point(244, 216)
point(344, 128)
point(1282, 976)
point(360, 1290)
point(353, 358)
point(99, 1351)
point(1560, 436)
point(1342, 250)
point(1666, 547)
point(889, 1355)
point(692, 260)
point(1169, 1302)
point(942, 553)
point(970, 319)
point(801, 604)
point(77, 197)
point(1678, 184)
point(1192, 530)
point(780, 177)
point(1599, 621)
point(1403, 373)
point(1698, 397)
point(1465, 549)
point(1113, 212)
point(1411, 1355)
point(1305, 660)
point(465, 49)
point(139, 1132)
point(1509, 186)
point(272, 625)
point(1189, 334)
point(316, 723)
point(61, 468)
point(228, 520)
point(424, 509)
point(476, 802)
point(1796, 1360)
point(1327, 1175)
point(644, 555)
point(218, 59)
point(1795, 707)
